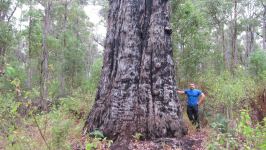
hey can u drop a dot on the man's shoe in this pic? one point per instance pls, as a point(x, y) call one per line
point(198, 127)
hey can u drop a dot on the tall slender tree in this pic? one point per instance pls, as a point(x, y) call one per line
point(44, 57)
point(264, 25)
point(29, 59)
point(6, 14)
point(234, 52)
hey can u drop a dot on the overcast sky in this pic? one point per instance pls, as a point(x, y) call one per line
point(93, 12)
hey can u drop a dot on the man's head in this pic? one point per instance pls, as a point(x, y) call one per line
point(191, 86)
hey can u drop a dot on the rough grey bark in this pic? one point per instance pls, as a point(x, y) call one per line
point(44, 57)
point(137, 91)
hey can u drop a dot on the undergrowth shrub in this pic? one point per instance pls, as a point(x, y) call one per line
point(245, 136)
point(96, 140)
point(59, 126)
point(227, 93)
point(91, 84)
point(60, 130)
point(77, 105)
point(257, 64)
point(220, 123)
point(9, 117)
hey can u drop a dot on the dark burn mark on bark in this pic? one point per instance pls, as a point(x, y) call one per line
point(168, 30)
point(137, 87)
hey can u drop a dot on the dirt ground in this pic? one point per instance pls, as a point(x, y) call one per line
point(193, 141)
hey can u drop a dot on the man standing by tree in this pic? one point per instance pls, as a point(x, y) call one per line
point(195, 98)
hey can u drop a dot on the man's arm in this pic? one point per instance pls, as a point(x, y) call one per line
point(202, 98)
point(180, 91)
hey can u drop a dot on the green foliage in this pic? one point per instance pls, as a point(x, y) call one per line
point(60, 130)
point(8, 113)
point(137, 136)
point(227, 94)
point(98, 143)
point(9, 105)
point(5, 4)
point(228, 91)
point(5, 34)
point(222, 142)
point(63, 123)
point(91, 84)
point(32, 94)
point(91, 146)
point(10, 71)
point(254, 135)
point(97, 134)
point(12, 79)
point(79, 104)
point(220, 123)
point(245, 136)
point(190, 37)
point(217, 10)
point(258, 64)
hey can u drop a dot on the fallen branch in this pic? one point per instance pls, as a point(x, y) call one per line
point(40, 131)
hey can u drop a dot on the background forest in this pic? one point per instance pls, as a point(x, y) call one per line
point(51, 58)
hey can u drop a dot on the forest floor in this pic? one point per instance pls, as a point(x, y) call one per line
point(192, 141)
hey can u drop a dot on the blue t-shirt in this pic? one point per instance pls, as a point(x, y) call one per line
point(192, 96)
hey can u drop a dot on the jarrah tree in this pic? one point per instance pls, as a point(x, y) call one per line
point(137, 91)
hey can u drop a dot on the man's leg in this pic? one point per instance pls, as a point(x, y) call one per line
point(190, 114)
point(196, 116)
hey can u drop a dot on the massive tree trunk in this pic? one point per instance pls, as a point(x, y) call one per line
point(137, 91)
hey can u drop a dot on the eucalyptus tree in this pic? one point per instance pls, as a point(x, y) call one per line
point(32, 18)
point(7, 10)
point(263, 4)
point(218, 14)
point(71, 46)
point(137, 91)
point(250, 14)
point(191, 38)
